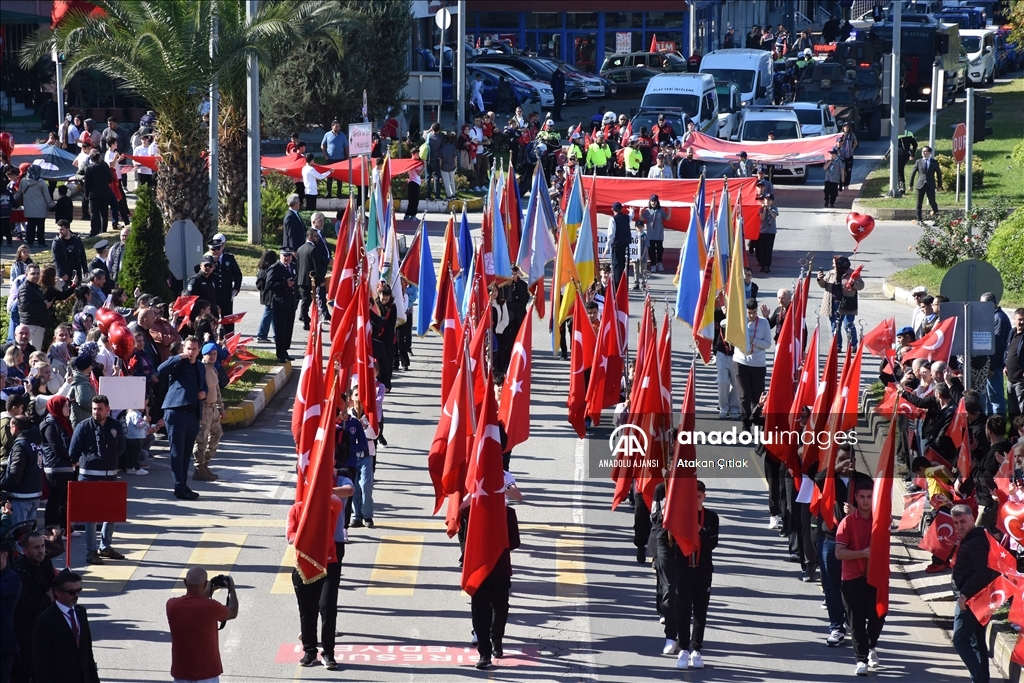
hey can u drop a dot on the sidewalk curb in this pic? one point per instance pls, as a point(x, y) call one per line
point(883, 213)
point(245, 413)
point(898, 294)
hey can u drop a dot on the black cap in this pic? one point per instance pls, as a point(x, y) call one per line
point(287, 252)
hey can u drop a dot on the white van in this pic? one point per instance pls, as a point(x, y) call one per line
point(980, 45)
point(750, 70)
point(692, 94)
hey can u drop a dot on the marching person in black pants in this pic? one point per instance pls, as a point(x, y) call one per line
point(619, 237)
point(281, 279)
point(384, 318)
point(689, 590)
point(227, 276)
point(183, 404)
point(312, 271)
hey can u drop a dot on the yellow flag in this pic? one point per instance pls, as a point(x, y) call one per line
point(735, 297)
point(565, 274)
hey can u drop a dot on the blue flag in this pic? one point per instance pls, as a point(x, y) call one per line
point(691, 263)
point(465, 249)
point(428, 284)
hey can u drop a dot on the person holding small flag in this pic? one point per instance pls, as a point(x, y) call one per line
point(971, 574)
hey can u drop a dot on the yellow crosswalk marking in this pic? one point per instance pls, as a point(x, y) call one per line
point(112, 575)
point(397, 565)
point(216, 553)
point(283, 580)
point(570, 577)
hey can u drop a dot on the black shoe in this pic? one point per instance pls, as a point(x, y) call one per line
point(484, 663)
point(329, 662)
point(305, 327)
point(382, 441)
point(641, 554)
point(263, 340)
point(498, 652)
point(308, 659)
point(185, 493)
point(357, 524)
point(369, 523)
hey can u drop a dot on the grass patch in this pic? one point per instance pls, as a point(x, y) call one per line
point(931, 277)
point(234, 393)
point(1003, 178)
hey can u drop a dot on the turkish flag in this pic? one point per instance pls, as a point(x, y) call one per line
point(316, 523)
point(1018, 650)
point(881, 521)
point(826, 392)
point(879, 340)
point(449, 269)
point(183, 305)
point(582, 339)
point(343, 278)
point(958, 434)
point(893, 402)
point(343, 348)
point(514, 411)
point(936, 345)
point(999, 558)
point(665, 364)
point(364, 360)
point(309, 398)
point(1011, 519)
point(680, 516)
point(410, 268)
point(913, 510)
point(487, 535)
point(940, 538)
point(606, 368)
point(449, 451)
point(232, 319)
point(781, 392)
point(452, 337)
point(478, 357)
point(807, 387)
point(647, 412)
point(990, 598)
point(622, 312)
point(236, 371)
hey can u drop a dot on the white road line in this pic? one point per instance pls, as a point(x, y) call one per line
point(586, 663)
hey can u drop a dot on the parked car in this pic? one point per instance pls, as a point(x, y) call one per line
point(630, 81)
point(758, 122)
point(659, 61)
point(523, 93)
point(730, 106)
point(596, 85)
point(538, 69)
point(545, 96)
point(980, 46)
point(1014, 52)
point(815, 119)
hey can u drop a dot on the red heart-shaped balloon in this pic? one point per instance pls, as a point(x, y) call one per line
point(122, 341)
point(105, 319)
point(860, 226)
point(6, 144)
point(1011, 518)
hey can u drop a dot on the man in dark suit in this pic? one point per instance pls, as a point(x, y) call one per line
point(294, 229)
point(36, 574)
point(97, 189)
point(312, 271)
point(517, 298)
point(931, 177)
point(281, 280)
point(227, 276)
point(186, 391)
point(62, 639)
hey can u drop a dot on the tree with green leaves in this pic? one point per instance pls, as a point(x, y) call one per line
point(145, 263)
point(160, 51)
point(314, 85)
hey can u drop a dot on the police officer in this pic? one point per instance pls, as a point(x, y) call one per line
point(183, 404)
point(281, 282)
point(227, 276)
point(619, 237)
point(97, 444)
point(203, 285)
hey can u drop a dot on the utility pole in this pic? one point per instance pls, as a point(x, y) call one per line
point(214, 119)
point(693, 28)
point(936, 99)
point(59, 64)
point(894, 100)
point(969, 155)
point(460, 64)
point(252, 143)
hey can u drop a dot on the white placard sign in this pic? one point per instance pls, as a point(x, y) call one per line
point(124, 392)
point(360, 138)
point(634, 245)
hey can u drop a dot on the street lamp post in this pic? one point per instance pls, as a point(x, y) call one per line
point(252, 142)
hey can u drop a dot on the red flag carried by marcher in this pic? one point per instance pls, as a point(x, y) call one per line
point(343, 279)
point(452, 334)
point(449, 451)
point(826, 392)
point(990, 598)
point(365, 362)
point(514, 411)
point(781, 392)
point(449, 269)
point(622, 312)
point(316, 524)
point(647, 411)
point(936, 345)
point(487, 535)
point(680, 517)
point(606, 368)
point(940, 539)
point(961, 438)
point(913, 511)
point(410, 268)
point(582, 341)
point(807, 387)
point(879, 340)
point(881, 521)
point(309, 398)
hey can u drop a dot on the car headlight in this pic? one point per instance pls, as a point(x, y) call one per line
point(926, 91)
point(547, 90)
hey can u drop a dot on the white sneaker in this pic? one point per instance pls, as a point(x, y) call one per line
point(835, 639)
point(862, 669)
point(662, 620)
point(473, 640)
point(684, 660)
point(872, 659)
point(696, 661)
point(671, 647)
point(775, 522)
point(140, 471)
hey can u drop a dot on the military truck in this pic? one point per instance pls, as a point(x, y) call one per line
point(850, 81)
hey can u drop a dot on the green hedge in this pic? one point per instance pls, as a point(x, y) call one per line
point(948, 167)
point(1006, 251)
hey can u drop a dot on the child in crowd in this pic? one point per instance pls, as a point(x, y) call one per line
point(137, 432)
point(64, 208)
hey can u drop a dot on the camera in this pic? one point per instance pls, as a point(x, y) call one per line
point(221, 581)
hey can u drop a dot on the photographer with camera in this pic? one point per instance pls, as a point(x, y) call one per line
point(195, 651)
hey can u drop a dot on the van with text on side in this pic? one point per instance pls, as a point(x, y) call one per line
point(751, 71)
point(690, 94)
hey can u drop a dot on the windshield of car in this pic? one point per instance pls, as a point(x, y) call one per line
point(743, 78)
point(756, 131)
point(665, 100)
point(809, 117)
point(971, 43)
point(516, 73)
point(650, 120)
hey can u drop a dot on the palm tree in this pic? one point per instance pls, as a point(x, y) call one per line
point(160, 51)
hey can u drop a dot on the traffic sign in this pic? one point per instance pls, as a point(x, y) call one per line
point(360, 138)
point(968, 280)
point(960, 143)
point(443, 19)
point(184, 248)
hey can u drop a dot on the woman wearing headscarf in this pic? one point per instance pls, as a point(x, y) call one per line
point(653, 218)
point(57, 464)
point(36, 200)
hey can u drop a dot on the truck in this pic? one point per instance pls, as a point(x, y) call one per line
point(922, 41)
point(849, 80)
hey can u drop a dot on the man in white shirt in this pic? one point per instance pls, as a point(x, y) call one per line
point(751, 366)
point(81, 162)
point(309, 177)
point(143, 174)
point(477, 92)
point(660, 169)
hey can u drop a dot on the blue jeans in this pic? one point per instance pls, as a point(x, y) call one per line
point(362, 501)
point(265, 323)
point(831, 581)
point(106, 535)
point(14, 321)
point(970, 643)
point(997, 393)
point(847, 323)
